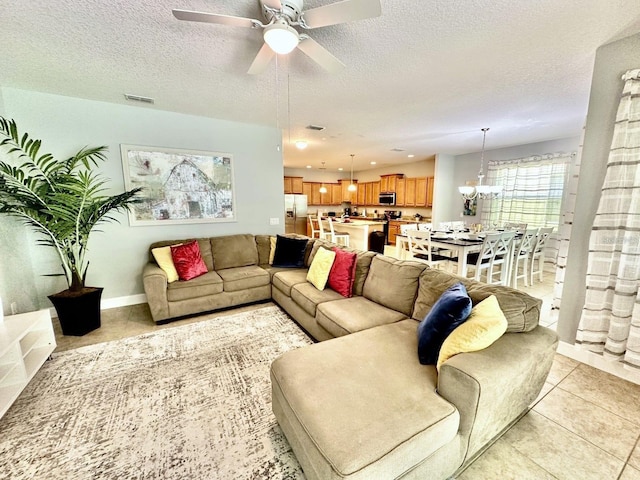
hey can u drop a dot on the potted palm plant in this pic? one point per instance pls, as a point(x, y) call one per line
point(63, 201)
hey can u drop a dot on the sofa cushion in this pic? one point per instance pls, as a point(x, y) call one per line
point(187, 260)
point(208, 284)
point(354, 314)
point(263, 245)
point(290, 252)
point(371, 422)
point(309, 297)
point(387, 272)
point(343, 272)
point(485, 325)
point(318, 273)
point(164, 260)
point(286, 278)
point(234, 251)
point(450, 310)
point(521, 310)
point(243, 278)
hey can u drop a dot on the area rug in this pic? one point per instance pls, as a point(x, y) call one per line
point(189, 402)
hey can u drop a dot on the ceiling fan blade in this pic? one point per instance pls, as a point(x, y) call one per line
point(215, 18)
point(262, 60)
point(341, 12)
point(273, 4)
point(320, 55)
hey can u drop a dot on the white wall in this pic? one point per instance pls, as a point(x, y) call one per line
point(118, 253)
point(612, 61)
point(467, 166)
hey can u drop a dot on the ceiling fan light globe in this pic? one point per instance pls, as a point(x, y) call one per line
point(281, 38)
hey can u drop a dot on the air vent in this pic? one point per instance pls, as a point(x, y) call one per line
point(138, 98)
point(315, 127)
point(397, 150)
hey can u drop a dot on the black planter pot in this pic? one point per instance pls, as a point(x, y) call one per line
point(78, 312)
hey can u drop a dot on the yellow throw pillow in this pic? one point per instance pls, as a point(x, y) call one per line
point(320, 268)
point(485, 325)
point(165, 262)
point(272, 252)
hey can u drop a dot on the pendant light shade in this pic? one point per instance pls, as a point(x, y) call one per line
point(352, 186)
point(323, 189)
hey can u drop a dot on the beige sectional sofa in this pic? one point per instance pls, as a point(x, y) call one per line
point(361, 406)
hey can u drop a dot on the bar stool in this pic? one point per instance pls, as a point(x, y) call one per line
point(341, 238)
point(315, 227)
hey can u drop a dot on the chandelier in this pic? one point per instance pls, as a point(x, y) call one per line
point(481, 191)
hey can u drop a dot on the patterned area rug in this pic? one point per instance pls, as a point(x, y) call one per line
point(190, 402)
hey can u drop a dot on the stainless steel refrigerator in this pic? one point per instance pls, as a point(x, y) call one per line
point(295, 214)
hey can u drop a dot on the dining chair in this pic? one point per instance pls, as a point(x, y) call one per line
point(496, 250)
point(537, 253)
point(315, 227)
point(521, 227)
point(425, 227)
point(407, 226)
point(341, 238)
point(521, 254)
point(420, 249)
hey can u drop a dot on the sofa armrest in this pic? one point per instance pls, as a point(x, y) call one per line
point(155, 284)
point(493, 387)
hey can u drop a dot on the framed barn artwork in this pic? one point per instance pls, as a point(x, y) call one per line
point(179, 186)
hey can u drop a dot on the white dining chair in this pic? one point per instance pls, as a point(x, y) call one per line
point(425, 227)
point(341, 238)
point(420, 249)
point(537, 253)
point(496, 251)
point(521, 255)
point(404, 227)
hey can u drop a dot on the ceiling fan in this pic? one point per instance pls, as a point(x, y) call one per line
point(279, 33)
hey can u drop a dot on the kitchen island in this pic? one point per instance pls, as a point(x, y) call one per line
point(359, 231)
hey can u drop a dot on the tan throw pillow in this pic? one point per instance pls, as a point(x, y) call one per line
point(320, 268)
point(485, 325)
point(165, 262)
point(272, 252)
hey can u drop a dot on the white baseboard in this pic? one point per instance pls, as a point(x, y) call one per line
point(599, 362)
point(108, 303)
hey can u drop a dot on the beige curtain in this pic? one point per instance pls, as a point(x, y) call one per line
point(566, 222)
point(610, 320)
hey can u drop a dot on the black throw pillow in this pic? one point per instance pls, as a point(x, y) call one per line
point(289, 252)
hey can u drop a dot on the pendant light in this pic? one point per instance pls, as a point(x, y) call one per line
point(352, 187)
point(481, 191)
point(323, 189)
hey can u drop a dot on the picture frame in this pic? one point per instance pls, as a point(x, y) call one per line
point(179, 186)
point(470, 207)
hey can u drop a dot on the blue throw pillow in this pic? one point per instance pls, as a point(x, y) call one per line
point(289, 252)
point(450, 310)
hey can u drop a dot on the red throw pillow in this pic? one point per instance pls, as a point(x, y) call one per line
point(188, 261)
point(343, 272)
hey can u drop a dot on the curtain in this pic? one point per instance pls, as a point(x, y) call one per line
point(610, 320)
point(533, 191)
point(566, 223)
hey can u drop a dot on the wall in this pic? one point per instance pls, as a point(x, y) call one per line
point(118, 253)
point(611, 62)
point(467, 166)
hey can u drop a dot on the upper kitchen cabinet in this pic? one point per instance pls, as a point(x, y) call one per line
point(306, 190)
point(293, 185)
point(348, 196)
point(336, 193)
point(388, 183)
point(414, 192)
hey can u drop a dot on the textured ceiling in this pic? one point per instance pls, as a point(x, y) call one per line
point(424, 77)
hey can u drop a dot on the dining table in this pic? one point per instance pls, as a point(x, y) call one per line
point(460, 244)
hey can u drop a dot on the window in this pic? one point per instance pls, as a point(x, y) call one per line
point(532, 191)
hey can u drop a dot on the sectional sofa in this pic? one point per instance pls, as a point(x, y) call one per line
point(358, 404)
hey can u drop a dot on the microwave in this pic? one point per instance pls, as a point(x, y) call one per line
point(387, 198)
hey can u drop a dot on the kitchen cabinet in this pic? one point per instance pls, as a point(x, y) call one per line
point(430, 182)
point(410, 192)
point(400, 191)
point(376, 193)
point(362, 194)
point(336, 193)
point(293, 185)
point(306, 190)
point(388, 183)
point(348, 196)
point(421, 192)
point(316, 196)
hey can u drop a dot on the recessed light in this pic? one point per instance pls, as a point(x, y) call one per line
point(340, 169)
point(372, 163)
point(301, 144)
point(410, 155)
point(308, 166)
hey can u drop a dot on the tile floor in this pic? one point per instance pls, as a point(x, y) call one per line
point(584, 425)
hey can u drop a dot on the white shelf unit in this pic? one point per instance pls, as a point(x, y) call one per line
point(26, 341)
